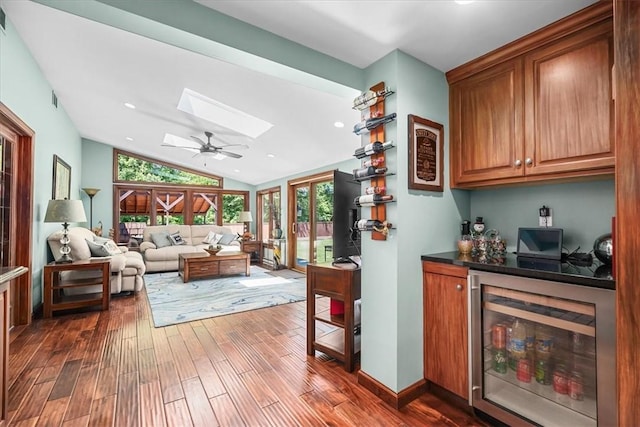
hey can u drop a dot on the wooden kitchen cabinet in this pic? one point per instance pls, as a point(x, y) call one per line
point(445, 327)
point(569, 108)
point(538, 109)
point(486, 122)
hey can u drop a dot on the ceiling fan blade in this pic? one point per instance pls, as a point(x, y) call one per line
point(229, 154)
point(244, 146)
point(198, 140)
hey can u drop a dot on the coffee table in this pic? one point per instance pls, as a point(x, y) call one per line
point(201, 264)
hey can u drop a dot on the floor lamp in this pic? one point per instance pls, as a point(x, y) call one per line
point(91, 192)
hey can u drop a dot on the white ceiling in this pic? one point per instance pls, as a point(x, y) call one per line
point(94, 69)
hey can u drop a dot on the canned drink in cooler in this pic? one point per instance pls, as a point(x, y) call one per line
point(543, 376)
point(524, 370)
point(499, 361)
point(499, 336)
point(576, 387)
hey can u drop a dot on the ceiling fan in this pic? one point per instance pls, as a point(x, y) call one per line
point(202, 148)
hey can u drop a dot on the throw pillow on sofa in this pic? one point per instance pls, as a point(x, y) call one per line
point(161, 239)
point(107, 248)
point(212, 238)
point(176, 239)
point(227, 239)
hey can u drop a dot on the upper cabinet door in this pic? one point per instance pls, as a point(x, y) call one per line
point(569, 106)
point(486, 125)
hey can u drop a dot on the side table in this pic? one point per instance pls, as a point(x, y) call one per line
point(54, 298)
point(254, 249)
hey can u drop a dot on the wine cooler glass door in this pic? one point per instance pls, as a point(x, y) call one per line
point(536, 357)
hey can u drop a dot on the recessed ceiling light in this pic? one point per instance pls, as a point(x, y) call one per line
point(464, 1)
point(271, 155)
point(221, 114)
point(129, 105)
point(339, 124)
point(236, 170)
point(129, 138)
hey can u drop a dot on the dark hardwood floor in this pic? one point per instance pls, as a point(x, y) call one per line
point(249, 369)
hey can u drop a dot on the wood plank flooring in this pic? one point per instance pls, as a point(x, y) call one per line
point(249, 369)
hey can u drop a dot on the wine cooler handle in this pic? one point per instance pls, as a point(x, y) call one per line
point(473, 297)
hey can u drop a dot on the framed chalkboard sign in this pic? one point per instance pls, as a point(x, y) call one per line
point(426, 154)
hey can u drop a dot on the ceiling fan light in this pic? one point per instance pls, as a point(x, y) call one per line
point(217, 156)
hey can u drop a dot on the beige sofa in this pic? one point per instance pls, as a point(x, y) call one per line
point(166, 258)
point(127, 268)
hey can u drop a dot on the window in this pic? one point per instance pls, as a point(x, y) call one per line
point(129, 167)
point(169, 196)
point(269, 209)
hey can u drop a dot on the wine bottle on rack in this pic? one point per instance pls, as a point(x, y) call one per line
point(373, 162)
point(369, 98)
point(372, 148)
point(371, 200)
point(372, 225)
point(368, 172)
point(368, 125)
point(375, 190)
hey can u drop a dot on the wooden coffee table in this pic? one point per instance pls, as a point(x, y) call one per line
point(200, 264)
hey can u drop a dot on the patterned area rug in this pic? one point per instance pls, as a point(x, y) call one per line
point(175, 302)
point(287, 274)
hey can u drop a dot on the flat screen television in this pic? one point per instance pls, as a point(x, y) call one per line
point(346, 239)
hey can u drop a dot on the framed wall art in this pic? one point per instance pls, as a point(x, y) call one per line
point(426, 154)
point(61, 179)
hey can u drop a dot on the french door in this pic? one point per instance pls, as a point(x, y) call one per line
point(310, 208)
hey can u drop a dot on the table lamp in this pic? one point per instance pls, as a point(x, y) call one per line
point(245, 216)
point(65, 211)
point(91, 192)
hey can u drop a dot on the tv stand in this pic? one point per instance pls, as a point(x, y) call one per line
point(343, 285)
point(344, 260)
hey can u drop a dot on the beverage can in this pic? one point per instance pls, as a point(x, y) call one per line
point(500, 361)
point(577, 343)
point(524, 370)
point(542, 373)
point(576, 386)
point(499, 336)
point(560, 380)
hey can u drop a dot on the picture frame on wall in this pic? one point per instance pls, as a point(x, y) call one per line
point(61, 179)
point(426, 154)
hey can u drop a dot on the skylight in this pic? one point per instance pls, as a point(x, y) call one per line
point(221, 114)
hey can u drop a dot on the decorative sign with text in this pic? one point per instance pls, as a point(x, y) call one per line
point(426, 154)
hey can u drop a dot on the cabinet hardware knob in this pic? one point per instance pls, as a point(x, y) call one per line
point(529, 161)
point(475, 388)
point(518, 162)
point(459, 287)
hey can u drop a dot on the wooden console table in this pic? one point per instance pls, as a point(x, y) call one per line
point(200, 264)
point(54, 298)
point(342, 285)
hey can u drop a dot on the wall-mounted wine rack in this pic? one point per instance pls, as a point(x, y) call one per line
point(379, 210)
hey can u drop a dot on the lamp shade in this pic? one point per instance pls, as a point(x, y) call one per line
point(245, 216)
point(91, 191)
point(65, 211)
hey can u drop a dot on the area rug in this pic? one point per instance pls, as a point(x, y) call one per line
point(173, 301)
point(287, 274)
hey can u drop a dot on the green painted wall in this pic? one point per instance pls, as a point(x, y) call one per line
point(583, 210)
point(26, 92)
point(425, 222)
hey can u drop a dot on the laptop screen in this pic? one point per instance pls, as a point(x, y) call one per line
point(540, 243)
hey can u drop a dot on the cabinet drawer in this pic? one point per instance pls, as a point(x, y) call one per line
point(204, 268)
point(232, 267)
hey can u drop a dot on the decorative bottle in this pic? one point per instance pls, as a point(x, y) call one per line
point(375, 190)
point(371, 200)
point(368, 125)
point(465, 242)
point(373, 162)
point(372, 148)
point(369, 98)
point(373, 225)
point(368, 172)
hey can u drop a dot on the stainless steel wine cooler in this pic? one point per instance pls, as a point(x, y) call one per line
point(542, 352)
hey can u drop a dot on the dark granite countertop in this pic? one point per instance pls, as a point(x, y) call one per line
point(596, 275)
